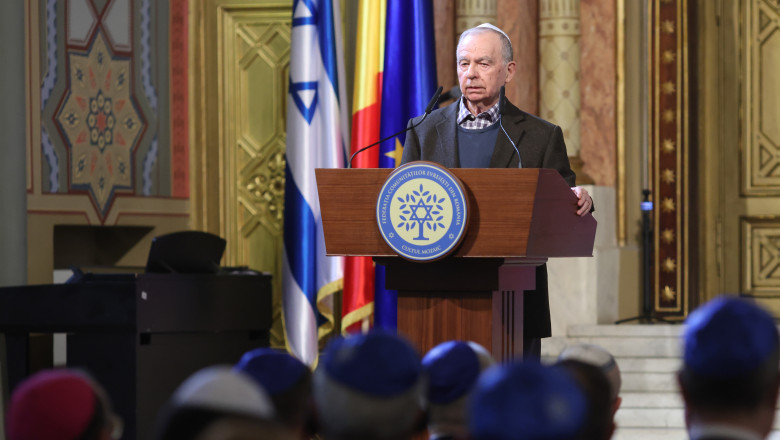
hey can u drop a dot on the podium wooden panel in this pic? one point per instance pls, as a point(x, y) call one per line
point(517, 219)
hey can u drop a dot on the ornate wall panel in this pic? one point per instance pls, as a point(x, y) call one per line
point(100, 114)
point(256, 50)
point(240, 131)
point(761, 246)
point(760, 170)
point(761, 162)
point(669, 155)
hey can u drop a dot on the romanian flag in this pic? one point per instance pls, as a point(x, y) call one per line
point(358, 297)
point(410, 81)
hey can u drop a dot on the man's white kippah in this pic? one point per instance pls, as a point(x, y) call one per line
point(490, 26)
point(220, 388)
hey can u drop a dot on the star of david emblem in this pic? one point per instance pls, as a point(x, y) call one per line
point(421, 212)
point(391, 235)
point(451, 236)
point(420, 206)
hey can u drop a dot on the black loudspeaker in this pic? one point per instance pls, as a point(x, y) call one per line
point(185, 252)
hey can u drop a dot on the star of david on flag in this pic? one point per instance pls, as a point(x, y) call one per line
point(316, 138)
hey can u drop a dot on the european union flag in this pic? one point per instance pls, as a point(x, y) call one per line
point(408, 84)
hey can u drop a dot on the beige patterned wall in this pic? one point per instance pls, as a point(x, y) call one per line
point(559, 71)
point(470, 13)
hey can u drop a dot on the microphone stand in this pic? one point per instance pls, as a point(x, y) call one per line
point(428, 110)
point(647, 316)
point(501, 99)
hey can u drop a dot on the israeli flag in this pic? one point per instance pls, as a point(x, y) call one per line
point(316, 138)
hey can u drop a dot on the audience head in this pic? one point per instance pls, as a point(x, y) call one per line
point(596, 355)
point(453, 368)
point(527, 401)
point(211, 395)
point(369, 386)
point(61, 404)
point(599, 423)
point(288, 382)
point(730, 364)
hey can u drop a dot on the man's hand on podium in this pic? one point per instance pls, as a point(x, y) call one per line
point(585, 202)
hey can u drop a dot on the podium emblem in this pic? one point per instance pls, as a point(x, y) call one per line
point(422, 211)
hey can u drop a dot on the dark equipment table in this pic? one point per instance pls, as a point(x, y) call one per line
point(140, 335)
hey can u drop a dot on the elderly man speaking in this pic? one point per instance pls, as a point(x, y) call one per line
point(478, 131)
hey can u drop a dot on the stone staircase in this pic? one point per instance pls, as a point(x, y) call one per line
point(648, 357)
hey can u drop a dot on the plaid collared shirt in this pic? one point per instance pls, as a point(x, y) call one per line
point(482, 120)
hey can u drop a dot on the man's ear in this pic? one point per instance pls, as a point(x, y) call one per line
point(616, 405)
point(511, 67)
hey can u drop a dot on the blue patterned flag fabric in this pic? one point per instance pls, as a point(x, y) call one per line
point(409, 83)
point(316, 138)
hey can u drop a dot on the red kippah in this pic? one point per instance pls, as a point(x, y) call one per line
point(52, 405)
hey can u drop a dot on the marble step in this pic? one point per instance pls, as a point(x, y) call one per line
point(650, 418)
point(624, 330)
point(658, 418)
point(635, 347)
point(639, 382)
point(622, 433)
point(662, 434)
point(648, 365)
point(638, 365)
point(651, 400)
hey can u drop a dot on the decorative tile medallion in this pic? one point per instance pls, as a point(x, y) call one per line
point(99, 122)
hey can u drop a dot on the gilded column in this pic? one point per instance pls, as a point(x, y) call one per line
point(559, 73)
point(470, 13)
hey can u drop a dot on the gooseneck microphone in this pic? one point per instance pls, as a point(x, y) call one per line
point(501, 99)
point(428, 110)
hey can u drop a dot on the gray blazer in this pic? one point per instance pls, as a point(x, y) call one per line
point(540, 144)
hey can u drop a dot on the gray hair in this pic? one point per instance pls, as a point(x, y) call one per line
point(348, 413)
point(598, 356)
point(506, 44)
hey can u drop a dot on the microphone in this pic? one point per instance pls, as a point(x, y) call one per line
point(428, 110)
point(453, 93)
point(501, 99)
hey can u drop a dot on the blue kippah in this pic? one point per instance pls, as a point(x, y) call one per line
point(275, 370)
point(452, 369)
point(376, 363)
point(728, 337)
point(526, 401)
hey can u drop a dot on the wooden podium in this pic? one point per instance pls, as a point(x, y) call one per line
point(517, 219)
